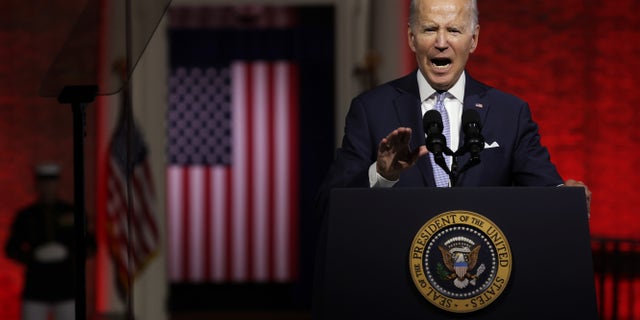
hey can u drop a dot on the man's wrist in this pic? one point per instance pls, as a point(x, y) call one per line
point(376, 180)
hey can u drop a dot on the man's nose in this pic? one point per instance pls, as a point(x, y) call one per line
point(441, 40)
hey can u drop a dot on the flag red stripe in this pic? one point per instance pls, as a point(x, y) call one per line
point(209, 236)
point(186, 213)
point(229, 229)
point(271, 189)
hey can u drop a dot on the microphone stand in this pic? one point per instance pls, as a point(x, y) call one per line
point(473, 144)
point(438, 158)
point(453, 172)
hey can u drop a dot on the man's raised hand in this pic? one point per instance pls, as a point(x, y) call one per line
point(395, 155)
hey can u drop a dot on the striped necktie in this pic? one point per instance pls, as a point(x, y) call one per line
point(441, 177)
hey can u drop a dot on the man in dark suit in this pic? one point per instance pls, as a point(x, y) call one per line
point(384, 139)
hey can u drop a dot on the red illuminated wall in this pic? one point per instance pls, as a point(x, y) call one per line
point(577, 63)
point(32, 129)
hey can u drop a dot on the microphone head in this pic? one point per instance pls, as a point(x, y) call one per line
point(473, 139)
point(432, 122)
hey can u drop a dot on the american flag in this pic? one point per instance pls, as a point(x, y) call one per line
point(232, 177)
point(132, 229)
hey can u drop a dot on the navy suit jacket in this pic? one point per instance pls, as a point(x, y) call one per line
point(519, 159)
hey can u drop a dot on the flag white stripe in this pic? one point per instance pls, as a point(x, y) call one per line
point(196, 228)
point(218, 223)
point(174, 207)
point(239, 169)
point(281, 172)
point(260, 210)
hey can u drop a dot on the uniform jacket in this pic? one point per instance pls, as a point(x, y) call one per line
point(33, 226)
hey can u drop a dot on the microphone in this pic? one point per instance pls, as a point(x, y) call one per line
point(432, 124)
point(436, 141)
point(473, 139)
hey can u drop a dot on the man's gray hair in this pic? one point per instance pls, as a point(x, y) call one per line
point(473, 5)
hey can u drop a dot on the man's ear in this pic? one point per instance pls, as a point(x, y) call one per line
point(411, 38)
point(474, 38)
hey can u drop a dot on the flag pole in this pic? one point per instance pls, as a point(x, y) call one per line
point(127, 117)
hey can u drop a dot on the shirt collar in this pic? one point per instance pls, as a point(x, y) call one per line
point(426, 91)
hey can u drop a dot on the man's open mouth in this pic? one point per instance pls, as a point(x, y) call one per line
point(440, 63)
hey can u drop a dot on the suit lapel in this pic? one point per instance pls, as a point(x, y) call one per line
point(474, 99)
point(408, 109)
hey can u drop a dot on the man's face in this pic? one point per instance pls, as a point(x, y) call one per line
point(443, 37)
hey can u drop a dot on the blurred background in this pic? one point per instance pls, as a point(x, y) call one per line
point(231, 112)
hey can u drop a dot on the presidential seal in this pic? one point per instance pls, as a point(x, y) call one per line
point(460, 261)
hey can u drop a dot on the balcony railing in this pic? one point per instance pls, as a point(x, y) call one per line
point(617, 277)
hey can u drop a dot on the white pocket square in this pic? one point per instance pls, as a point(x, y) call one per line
point(492, 145)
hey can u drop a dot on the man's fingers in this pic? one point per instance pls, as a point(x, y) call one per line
point(399, 136)
point(405, 135)
point(384, 145)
